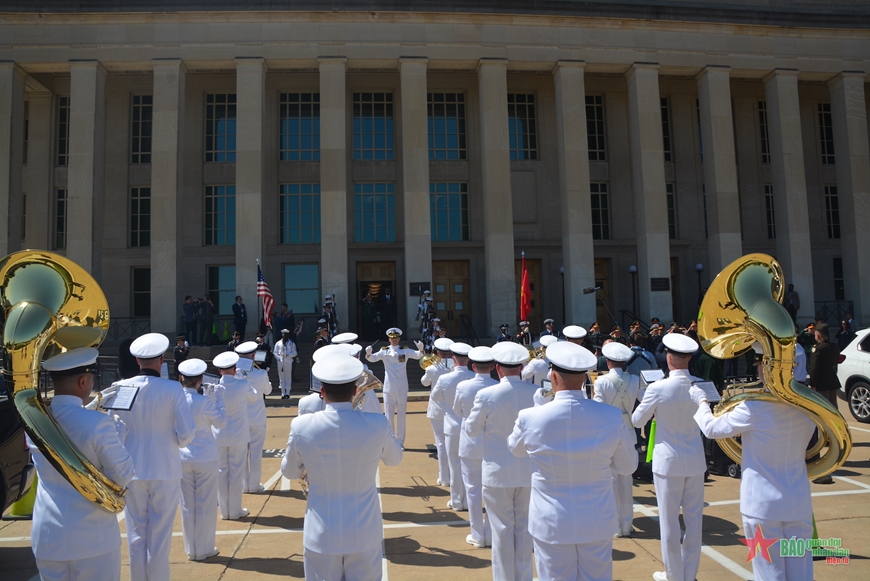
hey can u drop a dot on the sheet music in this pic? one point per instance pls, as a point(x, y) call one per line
point(259, 356)
point(122, 399)
point(245, 364)
point(650, 375)
point(710, 389)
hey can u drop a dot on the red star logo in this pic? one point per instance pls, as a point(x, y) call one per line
point(758, 544)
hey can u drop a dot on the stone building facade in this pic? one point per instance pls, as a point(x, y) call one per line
point(636, 145)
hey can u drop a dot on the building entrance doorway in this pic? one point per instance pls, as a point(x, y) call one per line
point(377, 313)
point(450, 294)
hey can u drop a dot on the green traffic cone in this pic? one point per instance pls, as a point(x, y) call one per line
point(22, 509)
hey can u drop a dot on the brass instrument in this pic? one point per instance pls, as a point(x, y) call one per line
point(366, 382)
point(744, 305)
point(428, 360)
point(536, 351)
point(52, 305)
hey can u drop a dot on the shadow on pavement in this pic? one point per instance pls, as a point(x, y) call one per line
point(281, 521)
point(284, 567)
point(435, 516)
point(417, 491)
point(406, 551)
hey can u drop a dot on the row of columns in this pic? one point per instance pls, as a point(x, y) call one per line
point(85, 182)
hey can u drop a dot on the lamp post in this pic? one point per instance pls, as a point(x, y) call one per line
point(562, 274)
point(699, 268)
point(633, 270)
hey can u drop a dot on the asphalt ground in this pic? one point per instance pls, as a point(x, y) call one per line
point(426, 540)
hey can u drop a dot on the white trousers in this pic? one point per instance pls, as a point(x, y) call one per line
point(150, 512)
point(472, 476)
point(231, 473)
point(672, 492)
point(199, 484)
point(622, 484)
point(457, 487)
point(579, 562)
point(443, 465)
point(780, 569)
point(285, 375)
point(362, 566)
point(105, 567)
point(396, 404)
point(254, 462)
point(508, 511)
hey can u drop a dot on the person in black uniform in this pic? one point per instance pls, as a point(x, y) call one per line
point(823, 376)
point(524, 337)
point(234, 342)
point(240, 317)
point(548, 328)
point(263, 346)
point(181, 351)
point(504, 335)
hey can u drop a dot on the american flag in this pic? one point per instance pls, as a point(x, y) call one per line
point(268, 301)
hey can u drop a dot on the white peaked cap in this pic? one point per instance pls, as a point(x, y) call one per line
point(510, 353)
point(337, 369)
point(355, 349)
point(548, 340)
point(443, 343)
point(574, 332)
point(394, 331)
point(192, 367)
point(71, 359)
point(344, 338)
point(571, 357)
point(680, 343)
point(149, 345)
point(481, 354)
point(226, 360)
point(330, 350)
point(616, 351)
point(246, 347)
point(461, 348)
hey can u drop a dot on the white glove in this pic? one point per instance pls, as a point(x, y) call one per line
point(698, 395)
point(369, 350)
point(105, 393)
point(219, 391)
point(418, 345)
point(120, 427)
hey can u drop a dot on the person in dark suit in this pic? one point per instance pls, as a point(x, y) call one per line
point(240, 317)
point(504, 335)
point(823, 376)
point(387, 308)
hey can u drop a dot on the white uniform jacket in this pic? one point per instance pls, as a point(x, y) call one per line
point(284, 352)
point(395, 359)
point(773, 482)
point(444, 393)
point(206, 413)
point(237, 395)
point(536, 371)
point(573, 443)
point(67, 527)
point(619, 389)
point(495, 410)
point(429, 379)
point(340, 448)
point(259, 380)
point(463, 402)
point(311, 403)
point(678, 449)
point(158, 425)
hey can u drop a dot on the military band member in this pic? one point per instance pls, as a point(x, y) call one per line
point(232, 440)
point(620, 389)
point(504, 335)
point(471, 449)
point(434, 412)
point(537, 369)
point(234, 341)
point(181, 351)
point(73, 538)
point(199, 463)
point(285, 351)
point(263, 345)
point(370, 402)
point(343, 528)
point(574, 334)
point(158, 425)
point(548, 329)
point(572, 515)
point(444, 394)
point(507, 479)
point(395, 358)
point(259, 380)
point(524, 337)
point(313, 402)
point(678, 463)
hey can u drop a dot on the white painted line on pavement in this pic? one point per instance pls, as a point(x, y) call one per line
point(285, 483)
point(853, 482)
point(851, 427)
point(272, 480)
point(727, 563)
point(121, 516)
point(646, 510)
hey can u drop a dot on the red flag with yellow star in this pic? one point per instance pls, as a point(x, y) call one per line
point(525, 293)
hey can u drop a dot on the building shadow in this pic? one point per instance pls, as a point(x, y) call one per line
point(18, 563)
point(407, 551)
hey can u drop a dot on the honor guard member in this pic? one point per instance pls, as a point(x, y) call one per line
point(232, 441)
point(620, 389)
point(572, 515)
point(74, 539)
point(537, 369)
point(471, 449)
point(340, 449)
point(774, 486)
point(234, 342)
point(548, 329)
point(313, 402)
point(503, 334)
point(259, 380)
point(199, 462)
point(524, 337)
point(158, 425)
point(435, 412)
point(574, 334)
point(181, 351)
point(444, 394)
point(263, 345)
point(507, 479)
point(678, 460)
point(395, 378)
point(370, 402)
point(285, 351)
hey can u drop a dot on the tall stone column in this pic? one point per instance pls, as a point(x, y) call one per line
point(793, 249)
point(849, 112)
point(39, 170)
point(578, 256)
point(720, 167)
point(167, 160)
point(415, 177)
point(250, 174)
point(11, 154)
point(87, 144)
point(333, 181)
point(648, 189)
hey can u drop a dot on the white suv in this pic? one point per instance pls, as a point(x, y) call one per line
point(854, 374)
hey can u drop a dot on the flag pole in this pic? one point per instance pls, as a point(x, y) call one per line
point(259, 299)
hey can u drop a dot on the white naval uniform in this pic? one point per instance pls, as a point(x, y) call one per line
point(232, 442)
point(72, 538)
point(310, 404)
point(435, 413)
point(471, 456)
point(199, 475)
point(575, 445)
point(536, 371)
point(395, 384)
point(678, 470)
point(507, 480)
point(620, 389)
point(284, 354)
point(158, 425)
point(444, 393)
point(774, 488)
point(259, 379)
point(343, 528)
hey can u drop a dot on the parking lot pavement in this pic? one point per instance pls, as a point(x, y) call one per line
point(426, 540)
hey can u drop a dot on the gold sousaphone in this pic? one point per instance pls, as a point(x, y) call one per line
point(742, 306)
point(51, 305)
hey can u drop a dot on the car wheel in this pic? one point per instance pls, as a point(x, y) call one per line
point(859, 401)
